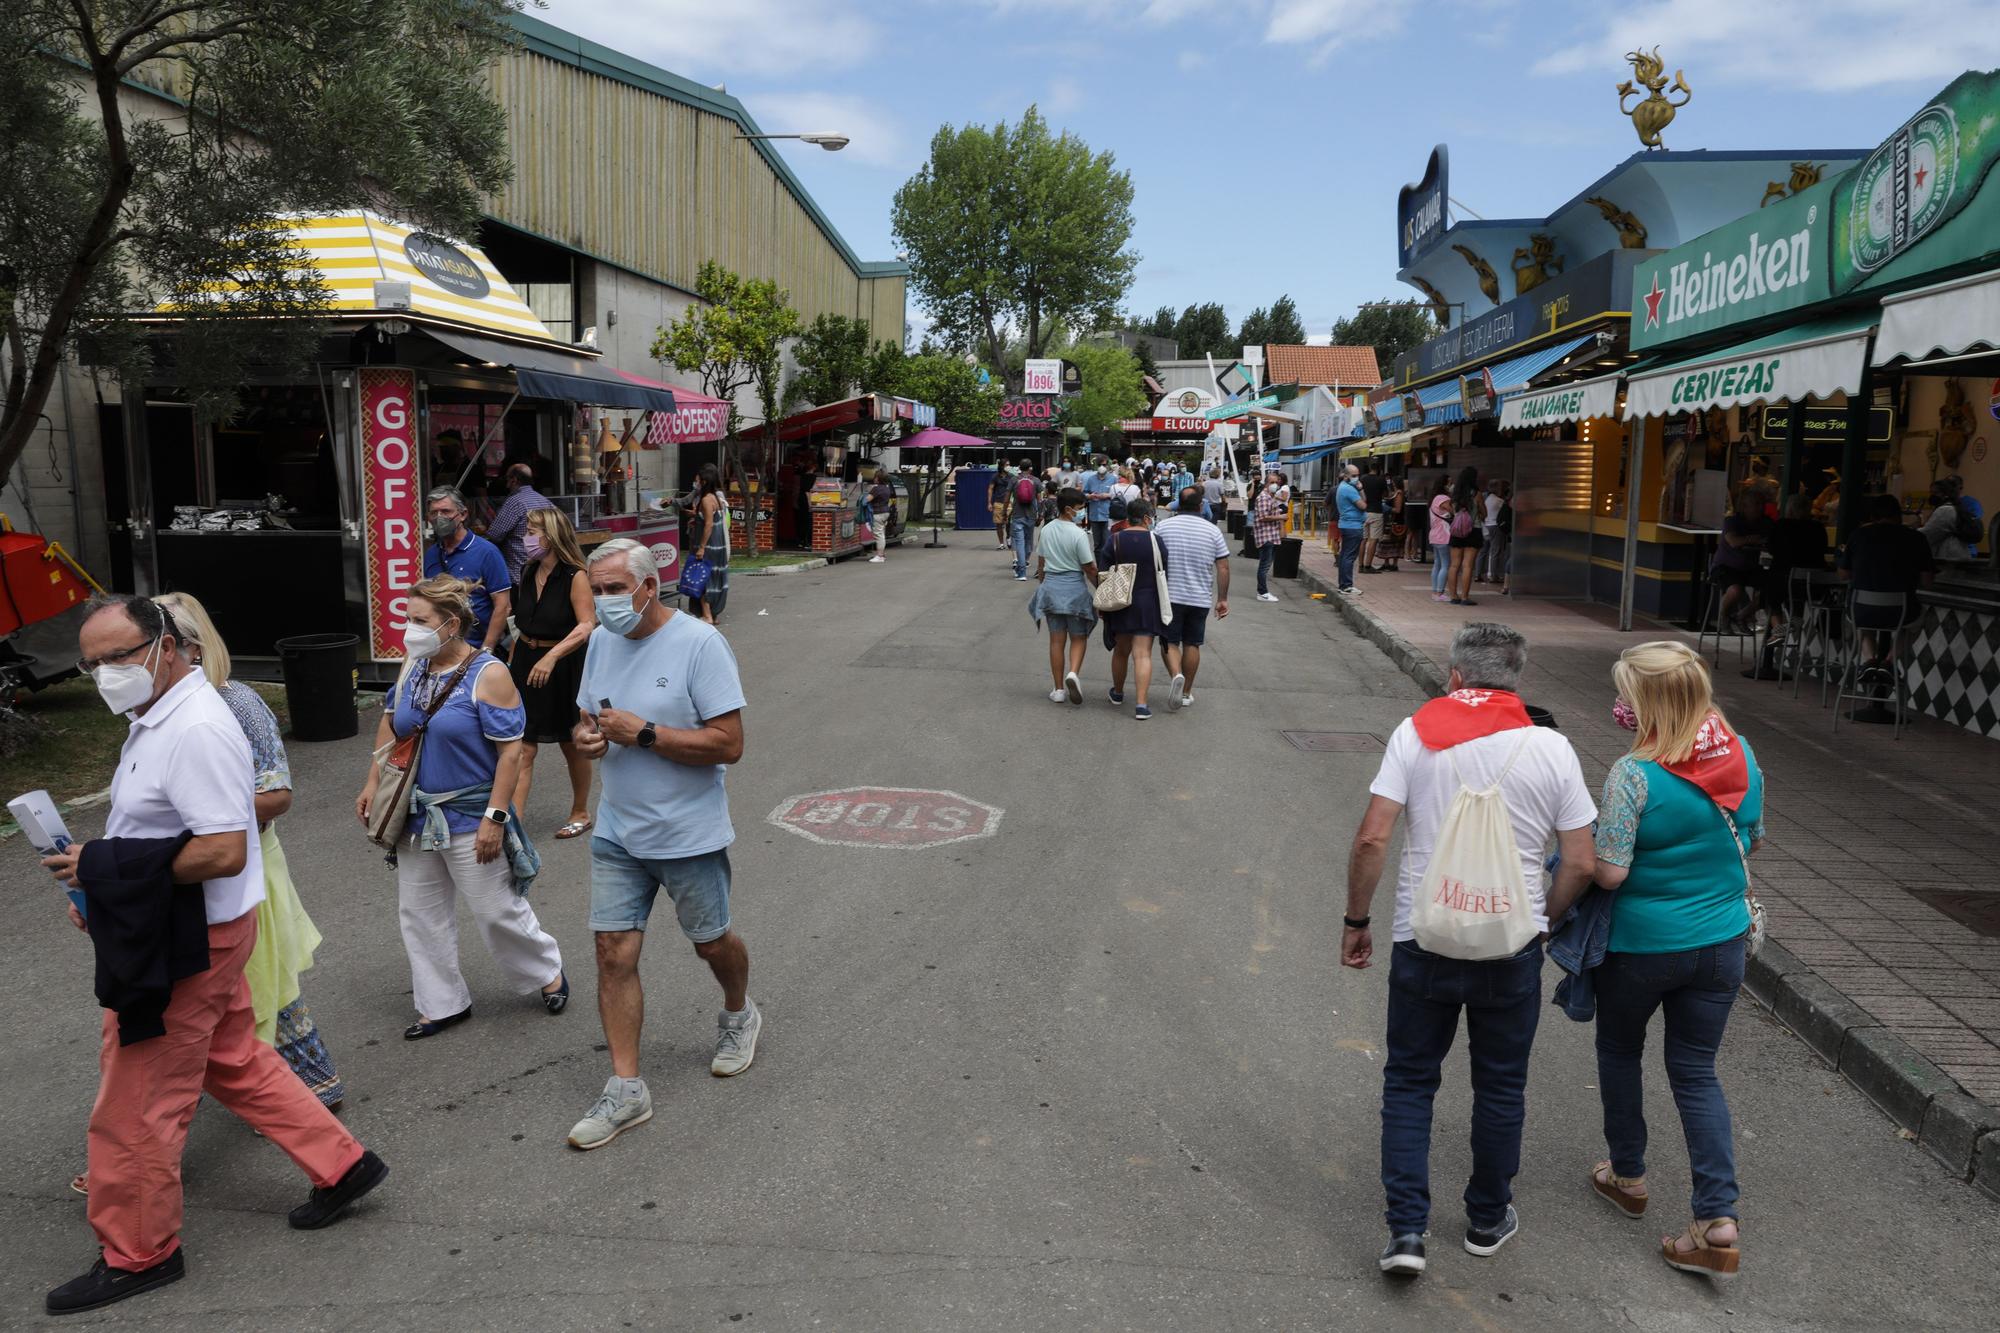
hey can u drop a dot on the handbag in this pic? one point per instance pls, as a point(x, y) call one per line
point(1114, 591)
point(1753, 943)
point(396, 770)
point(695, 575)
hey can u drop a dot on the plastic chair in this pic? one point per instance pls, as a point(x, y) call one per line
point(1712, 627)
point(1892, 615)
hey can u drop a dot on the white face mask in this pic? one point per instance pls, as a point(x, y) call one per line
point(128, 687)
point(421, 640)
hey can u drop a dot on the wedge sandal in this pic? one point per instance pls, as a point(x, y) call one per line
point(1615, 1187)
point(1706, 1258)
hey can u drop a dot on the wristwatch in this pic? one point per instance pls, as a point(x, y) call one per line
point(496, 814)
point(647, 735)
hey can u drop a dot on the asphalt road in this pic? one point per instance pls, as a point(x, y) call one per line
point(1101, 1070)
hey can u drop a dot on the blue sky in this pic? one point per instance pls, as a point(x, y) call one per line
point(1267, 138)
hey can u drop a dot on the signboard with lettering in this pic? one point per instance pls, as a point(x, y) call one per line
point(1823, 424)
point(1420, 209)
point(1042, 376)
point(390, 531)
point(1021, 413)
point(1229, 411)
point(1592, 290)
point(1767, 262)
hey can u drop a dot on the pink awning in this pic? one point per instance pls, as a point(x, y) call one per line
point(937, 437)
point(696, 417)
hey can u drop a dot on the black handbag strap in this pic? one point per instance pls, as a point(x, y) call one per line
point(443, 696)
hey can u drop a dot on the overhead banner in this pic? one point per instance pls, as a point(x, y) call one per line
point(1570, 402)
point(1589, 292)
point(1420, 209)
point(391, 533)
point(1768, 262)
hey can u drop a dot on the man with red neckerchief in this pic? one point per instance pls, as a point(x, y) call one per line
point(1479, 734)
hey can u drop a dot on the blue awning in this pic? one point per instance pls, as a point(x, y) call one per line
point(1515, 375)
point(1306, 453)
point(557, 374)
point(1441, 404)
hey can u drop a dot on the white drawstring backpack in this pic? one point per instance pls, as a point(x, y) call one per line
point(1472, 902)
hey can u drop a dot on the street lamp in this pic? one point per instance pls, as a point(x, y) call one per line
point(833, 143)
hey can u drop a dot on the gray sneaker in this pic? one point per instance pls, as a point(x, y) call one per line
point(736, 1043)
point(611, 1116)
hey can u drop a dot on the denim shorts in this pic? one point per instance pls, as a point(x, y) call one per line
point(1062, 624)
point(1188, 628)
point(623, 886)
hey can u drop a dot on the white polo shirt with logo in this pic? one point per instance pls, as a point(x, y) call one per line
point(186, 768)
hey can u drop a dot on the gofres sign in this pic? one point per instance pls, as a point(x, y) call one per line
point(390, 530)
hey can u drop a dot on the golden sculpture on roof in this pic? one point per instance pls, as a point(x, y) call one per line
point(1534, 267)
point(1489, 281)
point(1654, 112)
point(1631, 231)
point(1805, 175)
point(1440, 308)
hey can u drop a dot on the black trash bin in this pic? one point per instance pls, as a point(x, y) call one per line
point(319, 685)
point(1285, 564)
point(1235, 522)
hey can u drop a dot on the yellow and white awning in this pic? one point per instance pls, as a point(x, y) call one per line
point(354, 252)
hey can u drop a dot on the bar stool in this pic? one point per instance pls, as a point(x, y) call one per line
point(1812, 629)
point(1891, 614)
point(1712, 627)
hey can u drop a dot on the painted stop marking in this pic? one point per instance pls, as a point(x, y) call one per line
point(898, 817)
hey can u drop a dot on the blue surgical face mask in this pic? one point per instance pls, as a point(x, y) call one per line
point(617, 614)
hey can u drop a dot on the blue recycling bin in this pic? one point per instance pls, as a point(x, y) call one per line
point(973, 511)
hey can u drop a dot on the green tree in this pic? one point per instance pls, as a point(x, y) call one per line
point(1256, 329)
point(1390, 327)
point(1203, 330)
point(1013, 226)
point(1285, 327)
point(286, 105)
point(1161, 325)
point(1111, 392)
point(1144, 352)
point(832, 356)
point(732, 340)
point(951, 385)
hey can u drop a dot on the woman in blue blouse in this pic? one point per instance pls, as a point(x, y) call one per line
point(455, 845)
point(1680, 814)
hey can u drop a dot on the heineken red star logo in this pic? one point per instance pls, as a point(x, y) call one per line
point(1920, 174)
point(1652, 300)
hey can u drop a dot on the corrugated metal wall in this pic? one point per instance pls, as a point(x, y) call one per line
point(658, 187)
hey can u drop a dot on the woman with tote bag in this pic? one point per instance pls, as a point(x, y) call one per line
point(1133, 627)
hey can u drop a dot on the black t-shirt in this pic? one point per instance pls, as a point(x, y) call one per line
point(1887, 557)
point(1373, 486)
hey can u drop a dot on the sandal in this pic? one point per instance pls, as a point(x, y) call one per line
point(81, 1184)
point(1620, 1190)
point(576, 828)
point(1707, 1259)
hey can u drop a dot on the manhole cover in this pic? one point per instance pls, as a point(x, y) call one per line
point(1334, 742)
point(1974, 910)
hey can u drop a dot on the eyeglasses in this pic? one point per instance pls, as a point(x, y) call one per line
point(87, 665)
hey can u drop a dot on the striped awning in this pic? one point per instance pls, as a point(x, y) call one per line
point(354, 252)
point(1512, 376)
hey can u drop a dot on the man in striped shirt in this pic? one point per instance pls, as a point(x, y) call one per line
point(1197, 581)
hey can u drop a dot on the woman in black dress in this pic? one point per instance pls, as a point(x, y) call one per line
point(1133, 630)
point(553, 618)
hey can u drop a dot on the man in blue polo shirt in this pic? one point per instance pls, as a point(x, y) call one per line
point(463, 554)
point(1353, 517)
point(1098, 484)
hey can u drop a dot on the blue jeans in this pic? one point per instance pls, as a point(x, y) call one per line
point(1265, 555)
point(1696, 988)
point(1502, 1001)
point(1440, 564)
point(1023, 533)
point(1350, 548)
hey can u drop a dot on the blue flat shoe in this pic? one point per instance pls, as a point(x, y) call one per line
point(557, 1000)
point(422, 1028)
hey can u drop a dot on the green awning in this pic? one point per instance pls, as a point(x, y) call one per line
point(1816, 359)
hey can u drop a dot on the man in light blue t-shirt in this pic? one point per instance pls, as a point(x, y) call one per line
point(1098, 484)
point(661, 704)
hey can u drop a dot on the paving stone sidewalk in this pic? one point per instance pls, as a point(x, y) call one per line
point(1859, 824)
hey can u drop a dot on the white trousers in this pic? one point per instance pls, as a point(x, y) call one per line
point(429, 885)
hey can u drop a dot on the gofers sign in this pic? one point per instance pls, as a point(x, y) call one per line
point(390, 533)
point(1420, 209)
point(689, 423)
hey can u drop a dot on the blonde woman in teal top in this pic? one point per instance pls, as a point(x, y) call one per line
point(1681, 814)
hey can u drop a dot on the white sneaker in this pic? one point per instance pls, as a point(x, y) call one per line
point(1267, 597)
point(736, 1043)
point(877, 559)
point(1058, 696)
point(612, 1115)
point(1176, 692)
point(1073, 688)
point(1187, 700)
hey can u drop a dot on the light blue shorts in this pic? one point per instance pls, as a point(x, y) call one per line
point(623, 886)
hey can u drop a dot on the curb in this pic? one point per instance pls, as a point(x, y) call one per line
point(773, 570)
point(1926, 1103)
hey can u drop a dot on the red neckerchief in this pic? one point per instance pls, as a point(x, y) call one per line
point(1716, 765)
point(1466, 715)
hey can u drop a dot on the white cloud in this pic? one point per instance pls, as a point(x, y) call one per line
point(1822, 45)
point(1326, 25)
point(709, 41)
point(1065, 96)
point(876, 139)
point(1191, 60)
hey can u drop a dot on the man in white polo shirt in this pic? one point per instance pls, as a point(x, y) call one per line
point(185, 769)
point(1197, 583)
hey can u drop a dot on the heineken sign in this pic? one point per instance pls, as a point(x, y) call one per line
point(1771, 261)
